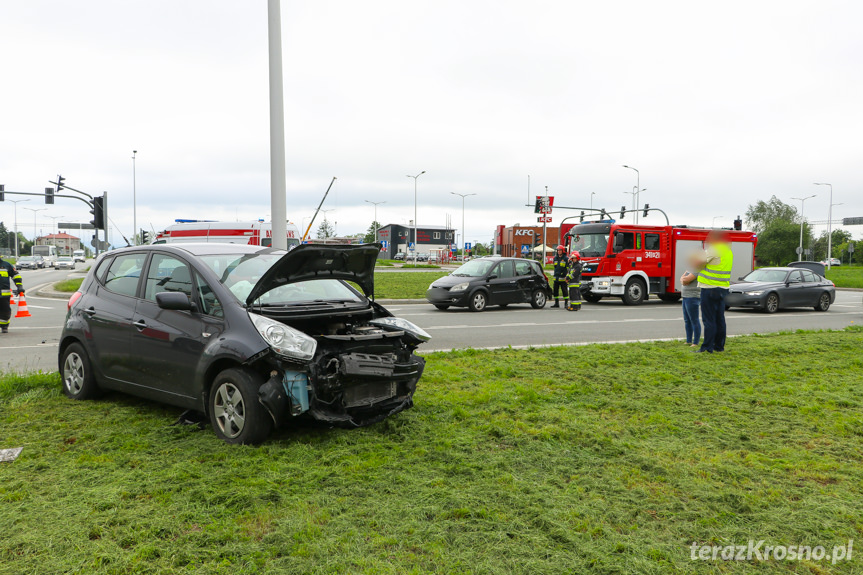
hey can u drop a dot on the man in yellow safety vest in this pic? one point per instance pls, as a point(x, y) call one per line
point(714, 280)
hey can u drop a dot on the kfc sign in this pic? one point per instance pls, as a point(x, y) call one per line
point(523, 232)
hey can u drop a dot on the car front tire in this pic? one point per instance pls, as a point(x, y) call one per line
point(771, 304)
point(235, 412)
point(823, 302)
point(478, 301)
point(78, 380)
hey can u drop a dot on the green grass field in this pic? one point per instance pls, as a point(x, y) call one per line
point(404, 285)
point(608, 459)
point(845, 276)
point(68, 285)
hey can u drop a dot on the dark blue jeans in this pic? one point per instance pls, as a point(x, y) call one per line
point(713, 316)
point(691, 321)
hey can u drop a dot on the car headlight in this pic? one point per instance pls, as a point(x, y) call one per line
point(283, 339)
point(431, 285)
point(460, 287)
point(754, 292)
point(403, 325)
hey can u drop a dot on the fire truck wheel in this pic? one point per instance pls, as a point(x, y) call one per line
point(591, 297)
point(634, 293)
point(538, 299)
point(478, 301)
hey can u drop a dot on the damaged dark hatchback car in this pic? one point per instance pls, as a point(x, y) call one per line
point(250, 337)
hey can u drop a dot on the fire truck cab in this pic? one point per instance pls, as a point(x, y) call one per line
point(633, 261)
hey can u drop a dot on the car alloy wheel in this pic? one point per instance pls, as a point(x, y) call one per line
point(235, 412)
point(78, 381)
point(538, 300)
point(772, 303)
point(823, 302)
point(478, 301)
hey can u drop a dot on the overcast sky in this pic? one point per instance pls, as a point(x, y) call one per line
point(717, 104)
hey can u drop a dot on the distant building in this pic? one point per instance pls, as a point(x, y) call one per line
point(398, 237)
point(518, 241)
point(65, 243)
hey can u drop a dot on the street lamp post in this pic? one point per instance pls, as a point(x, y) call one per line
point(326, 223)
point(829, 224)
point(35, 229)
point(54, 226)
point(375, 222)
point(416, 241)
point(591, 200)
point(16, 223)
point(637, 188)
point(463, 232)
point(713, 223)
point(134, 199)
point(802, 202)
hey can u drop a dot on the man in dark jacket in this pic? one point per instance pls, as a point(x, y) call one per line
point(8, 274)
point(561, 267)
point(573, 278)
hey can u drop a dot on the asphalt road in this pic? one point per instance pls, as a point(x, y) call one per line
point(32, 342)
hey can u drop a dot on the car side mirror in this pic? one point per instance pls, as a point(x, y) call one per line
point(175, 300)
point(492, 277)
point(740, 279)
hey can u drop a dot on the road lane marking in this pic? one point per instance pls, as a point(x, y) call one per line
point(599, 321)
point(55, 344)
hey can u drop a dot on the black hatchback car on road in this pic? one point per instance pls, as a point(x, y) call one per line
point(491, 281)
point(249, 336)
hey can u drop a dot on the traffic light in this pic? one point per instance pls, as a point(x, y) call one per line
point(602, 214)
point(622, 211)
point(646, 209)
point(581, 218)
point(2, 195)
point(98, 212)
point(145, 237)
point(49, 195)
point(60, 183)
point(738, 224)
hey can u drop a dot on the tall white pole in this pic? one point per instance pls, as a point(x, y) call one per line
point(375, 222)
point(134, 200)
point(829, 224)
point(16, 223)
point(637, 188)
point(416, 239)
point(278, 187)
point(463, 231)
point(802, 206)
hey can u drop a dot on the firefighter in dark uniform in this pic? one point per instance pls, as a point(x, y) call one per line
point(561, 266)
point(8, 274)
point(573, 278)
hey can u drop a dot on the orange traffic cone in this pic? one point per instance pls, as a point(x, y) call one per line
point(22, 308)
point(12, 299)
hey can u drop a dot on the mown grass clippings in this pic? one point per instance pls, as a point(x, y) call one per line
point(594, 459)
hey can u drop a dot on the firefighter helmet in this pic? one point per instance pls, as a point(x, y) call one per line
point(561, 248)
point(575, 255)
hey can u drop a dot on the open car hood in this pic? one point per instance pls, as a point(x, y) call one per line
point(354, 263)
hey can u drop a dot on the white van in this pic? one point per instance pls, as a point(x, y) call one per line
point(79, 256)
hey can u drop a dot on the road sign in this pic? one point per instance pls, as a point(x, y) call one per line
point(385, 244)
point(467, 245)
point(852, 221)
point(411, 246)
point(544, 219)
point(71, 226)
point(850, 247)
point(525, 249)
point(799, 250)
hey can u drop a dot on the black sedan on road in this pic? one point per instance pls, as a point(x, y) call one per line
point(251, 337)
point(770, 289)
point(491, 281)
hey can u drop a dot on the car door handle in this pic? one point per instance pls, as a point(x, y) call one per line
point(140, 324)
point(91, 311)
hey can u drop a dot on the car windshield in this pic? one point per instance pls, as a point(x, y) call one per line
point(590, 245)
point(474, 268)
point(764, 275)
point(240, 273)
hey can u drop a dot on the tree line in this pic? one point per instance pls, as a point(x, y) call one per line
point(778, 227)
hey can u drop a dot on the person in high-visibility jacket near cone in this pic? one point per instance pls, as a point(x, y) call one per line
point(573, 279)
point(561, 267)
point(8, 275)
point(714, 280)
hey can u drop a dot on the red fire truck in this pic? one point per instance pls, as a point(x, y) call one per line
point(253, 233)
point(632, 261)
